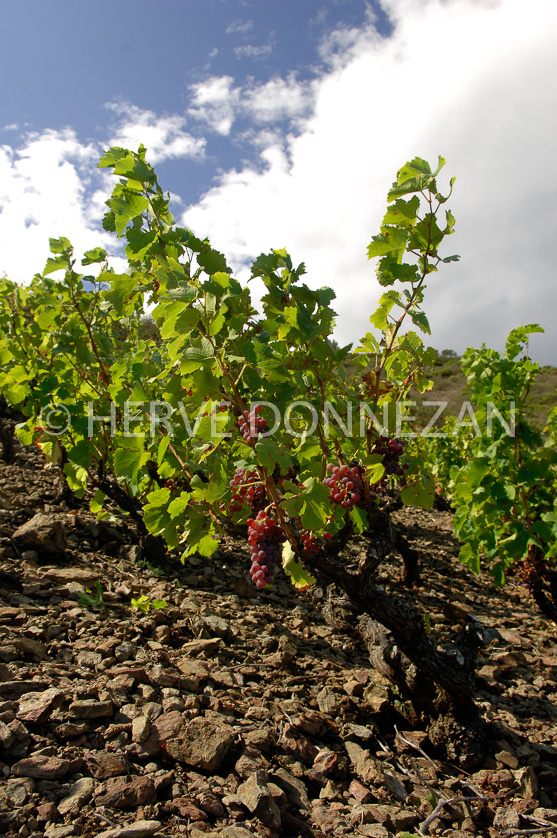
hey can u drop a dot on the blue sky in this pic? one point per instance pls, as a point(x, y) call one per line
point(282, 124)
point(83, 57)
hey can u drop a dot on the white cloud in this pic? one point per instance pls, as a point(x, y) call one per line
point(253, 51)
point(218, 104)
point(340, 46)
point(239, 27)
point(164, 136)
point(476, 82)
point(215, 102)
point(44, 188)
point(277, 99)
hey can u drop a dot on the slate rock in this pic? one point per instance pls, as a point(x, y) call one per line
point(47, 812)
point(328, 702)
point(295, 789)
point(374, 830)
point(7, 738)
point(63, 575)
point(43, 533)
point(360, 792)
point(209, 646)
point(367, 768)
point(526, 777)
point(256, 796)
point(79, 794)
point(103, 765)
point(210, 804)
point(325, 762)
point(545, 814)
point(88, 709)
point(186, 808)
point(167, 726)
point(43, 767)
point(36, 707)
point(141, 727)
point(204, 744)
point(395, 787)
point(394, 817)
point(16, 793)
point(15, 689)
point(506, 818)
point(127, 792)
point(53, 831)
point(26, 646)
point(138, 829)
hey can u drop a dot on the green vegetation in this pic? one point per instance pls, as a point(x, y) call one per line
point(211, 416)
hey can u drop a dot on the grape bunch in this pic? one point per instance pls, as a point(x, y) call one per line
point(345, 484)
point(529, 573)
point(252, 424)
point(246, 489)
point(311, 544)
point(391, 450)
point(265, 538)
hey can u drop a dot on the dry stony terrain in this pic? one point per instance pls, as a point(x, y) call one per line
point(235, 713)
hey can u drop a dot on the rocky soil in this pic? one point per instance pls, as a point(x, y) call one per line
point(235, 713)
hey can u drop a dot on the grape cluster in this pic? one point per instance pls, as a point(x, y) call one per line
point(390, 450)
point(529, 573)
point(246, 489)
point(265, 538)
point(252, 424)
point(345, 484)
point(311, 544)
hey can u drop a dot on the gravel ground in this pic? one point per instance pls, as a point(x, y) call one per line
point(236, 713)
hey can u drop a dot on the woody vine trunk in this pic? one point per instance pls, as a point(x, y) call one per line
point(439, 685)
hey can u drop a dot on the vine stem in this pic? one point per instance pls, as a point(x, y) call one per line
point(398, 323)
point(104, 374)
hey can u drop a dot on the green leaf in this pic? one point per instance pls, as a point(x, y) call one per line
point(58, 264)
point(212, 261)
point(98, 254)
point(316, 504)
point(402, 212)
point(421, 493)
point(391, 239)
point(477, 470)
point(206, 546)
point(61, 245)
point(200, 350)
point(470, 557)
point(269, 454)
point(127, 463)
point(141, 603)
point(417, 166)
point(139, 242)
point(359, 519)
point(300, 578)
point(97, 502)
point(389, 270)
point(419, 319)
point(127, 206)
point(134, 168)
point(111, 157)
point(517, 340)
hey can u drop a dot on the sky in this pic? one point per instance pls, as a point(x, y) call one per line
point(283, 124)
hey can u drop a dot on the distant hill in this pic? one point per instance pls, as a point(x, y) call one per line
point(450, 385)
